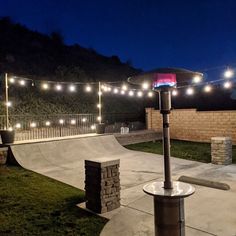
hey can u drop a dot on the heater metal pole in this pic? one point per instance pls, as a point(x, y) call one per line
point(165, 106)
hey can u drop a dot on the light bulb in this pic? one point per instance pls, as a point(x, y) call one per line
point(12, 80)
point(47, 123)
point(174, 92)
point(22, 82)
point(190, 91)
point(58, 87)
point(228, 73)
point(140, 94)
point(227, 85)
point(93, 127)
point(45, 86)
point(72, 88)
point(18, 125)
point(131, 93)
point(207, 88)
point(9, 104)
point(145, 85)
point(88, 88)
point(73, 122)
point(124, 87)
point(197, 79)
point(33, 125)
point(61, 121)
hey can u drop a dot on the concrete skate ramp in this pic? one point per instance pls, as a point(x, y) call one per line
point(63, 160)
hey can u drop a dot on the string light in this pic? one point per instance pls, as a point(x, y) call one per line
point(100, 93)
point(73, 122)
point(228, 73)
point(227, 85)
point(190, 91)
point(9, 104)
point(175, 92)
point(72, 88)
point(45, 86)
point(18, 125)
point(145, 85)
point(58, 87)
point(124, 87)
point(10, 129)
point(12, 80)
point(88, 88)
point(93, 127)
point(22, 82)
point(207, 88)
point(131, 93)
point(33, 125)
point(197, 79)
point(84, 120)
point(99, 105)
point(61, 121)
point(140, 94)
point(99, 118)
point(47, 123)
point(115, 90)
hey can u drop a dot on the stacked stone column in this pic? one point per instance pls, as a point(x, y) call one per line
point(3, 155)
point(102, 185)
point(221, 150)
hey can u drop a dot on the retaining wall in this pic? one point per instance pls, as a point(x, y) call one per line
point(193, 125)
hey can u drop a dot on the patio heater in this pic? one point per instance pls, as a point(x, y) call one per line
point(168, 195)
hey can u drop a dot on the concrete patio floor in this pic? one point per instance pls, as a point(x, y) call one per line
point(208, 212)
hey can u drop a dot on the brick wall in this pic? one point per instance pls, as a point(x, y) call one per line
point(193, 125)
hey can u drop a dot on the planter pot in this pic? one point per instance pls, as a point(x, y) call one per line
point(7, 136)
point(100, 128)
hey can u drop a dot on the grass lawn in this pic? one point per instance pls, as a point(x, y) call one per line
point(31, 204)
point(181, 149)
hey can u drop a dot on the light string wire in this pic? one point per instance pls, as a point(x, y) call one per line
point(111, 87)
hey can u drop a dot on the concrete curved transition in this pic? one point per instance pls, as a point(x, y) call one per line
point(208, 212)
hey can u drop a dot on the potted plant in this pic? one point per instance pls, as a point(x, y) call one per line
point(100, 128)
point(7, 136)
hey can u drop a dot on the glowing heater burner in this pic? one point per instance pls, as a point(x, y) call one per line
point(164, 81)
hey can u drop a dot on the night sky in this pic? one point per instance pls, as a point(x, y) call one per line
point(193, 34)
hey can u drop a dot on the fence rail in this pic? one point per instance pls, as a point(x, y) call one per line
point(30, 127)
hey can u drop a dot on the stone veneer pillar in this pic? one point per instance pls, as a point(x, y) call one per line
point(102, 185)
point(221, 150)
point(3, 155)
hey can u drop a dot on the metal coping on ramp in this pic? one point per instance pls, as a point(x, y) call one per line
point(55, 139)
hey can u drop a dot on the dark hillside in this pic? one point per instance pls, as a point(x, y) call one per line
point(37, 56)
